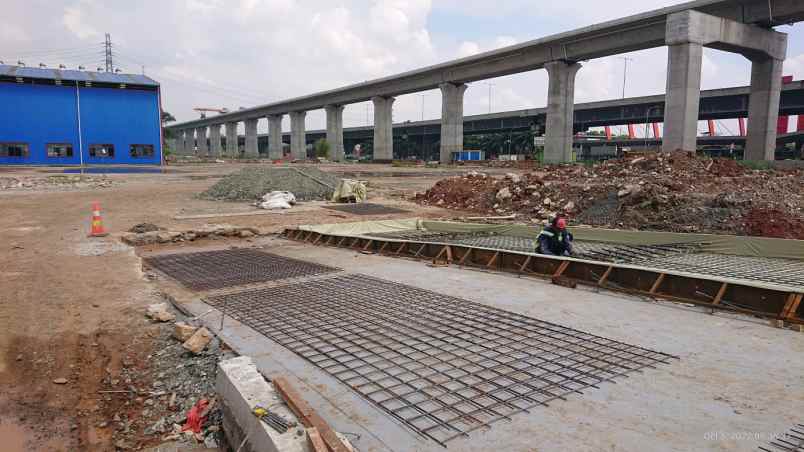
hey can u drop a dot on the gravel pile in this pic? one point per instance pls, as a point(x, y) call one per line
point(250, 184)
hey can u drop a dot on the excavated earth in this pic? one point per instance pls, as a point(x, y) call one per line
point(664, 192)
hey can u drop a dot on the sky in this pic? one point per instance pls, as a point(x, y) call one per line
point(243, 53)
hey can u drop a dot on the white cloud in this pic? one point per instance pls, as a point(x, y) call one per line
point(73, 20)
point(467, 48)
point(231, 53)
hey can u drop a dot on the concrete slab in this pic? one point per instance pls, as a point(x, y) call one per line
point(737, 384)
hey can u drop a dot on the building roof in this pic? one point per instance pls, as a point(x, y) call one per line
point(73, 75)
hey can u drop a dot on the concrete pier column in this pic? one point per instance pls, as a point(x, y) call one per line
point(298, 139)
point(560, 111)
point(383, 128)
point(252, 150)
point(335, 131)
point(201, 141)
point(231, 140)
point(275, 137)
point(188, 142)
point(451, 120)
point(763, 108)
point(683, 97)
point(215, 140)
point(181, 146)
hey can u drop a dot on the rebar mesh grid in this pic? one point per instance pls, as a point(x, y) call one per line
point(599, 251)
point(443, 366)
point(366, 208)
point(209, 270)
point(777, 271)
point(790, 441)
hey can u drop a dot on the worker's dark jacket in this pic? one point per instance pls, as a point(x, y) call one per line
point(554, 241)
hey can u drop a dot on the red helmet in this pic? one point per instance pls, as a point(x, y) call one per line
point(561, 223)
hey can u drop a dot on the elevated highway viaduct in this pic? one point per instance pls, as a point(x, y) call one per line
point(739, 26)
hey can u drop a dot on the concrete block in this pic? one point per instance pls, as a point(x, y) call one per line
point(240, 388)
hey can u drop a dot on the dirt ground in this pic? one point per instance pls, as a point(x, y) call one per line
point(71, 307)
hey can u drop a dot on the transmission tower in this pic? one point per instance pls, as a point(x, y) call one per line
point(107, 46)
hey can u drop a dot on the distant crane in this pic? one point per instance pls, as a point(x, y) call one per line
point(203, 111)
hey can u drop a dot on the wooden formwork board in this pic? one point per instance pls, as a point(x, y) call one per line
point(711, 291)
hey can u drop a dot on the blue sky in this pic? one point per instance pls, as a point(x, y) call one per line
point(233, 53)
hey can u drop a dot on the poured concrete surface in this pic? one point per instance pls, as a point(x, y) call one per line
point(738, 381)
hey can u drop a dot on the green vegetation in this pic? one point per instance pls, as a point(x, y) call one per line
point(322, 148)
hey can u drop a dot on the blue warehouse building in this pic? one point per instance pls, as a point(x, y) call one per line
point(65, 117)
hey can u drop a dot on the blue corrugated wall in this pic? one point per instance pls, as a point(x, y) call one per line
point(41, 114)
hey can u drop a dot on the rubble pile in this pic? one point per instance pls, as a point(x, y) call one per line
point(151, 236)
point(54, 182)
point(161, 389)
point(675, 192)
point(250, 184)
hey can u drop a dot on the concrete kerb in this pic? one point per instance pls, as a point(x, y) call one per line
point(240, 388)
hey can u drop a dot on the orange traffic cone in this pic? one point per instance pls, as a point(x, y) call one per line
point(97, 222)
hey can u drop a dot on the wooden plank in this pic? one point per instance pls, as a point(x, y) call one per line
point(368, 244)
point(720, 293)
point(307, 416)
point(401, 247)
point(449, 254)
point(493, 259)
point(605, 276)
point(354, 242)
point(340, 242)
point(657, 283)
point(561, 268)
point(316, 442)
point(318, 239)
point(525, 264)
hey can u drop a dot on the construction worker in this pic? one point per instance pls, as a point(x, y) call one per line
point(555, 239)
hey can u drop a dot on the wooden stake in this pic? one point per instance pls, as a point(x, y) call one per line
point(493, 259)
point(605, 276)
point(561, 268)
point(307, 416)
point(449, 254)
point(368, 245)
point(525, 264)
point(340, 242)
point(382, 248)
point(465, 255)
point(401, 247)
point(790, 308)
point(420, 250)
point(657, 283)
point(318, 239)
point(720, 293)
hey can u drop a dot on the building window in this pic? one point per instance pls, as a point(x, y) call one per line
point(15, 150)
point(101, 150)
point(141, 150)
point(59, 150)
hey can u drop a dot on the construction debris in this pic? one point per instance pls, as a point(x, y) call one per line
point(208, 230)
point(250, 184)
point(198, 341)
point(183, 331)
point(159, 312)
point(277, 200)
point(664, 191)
point(57, 182)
